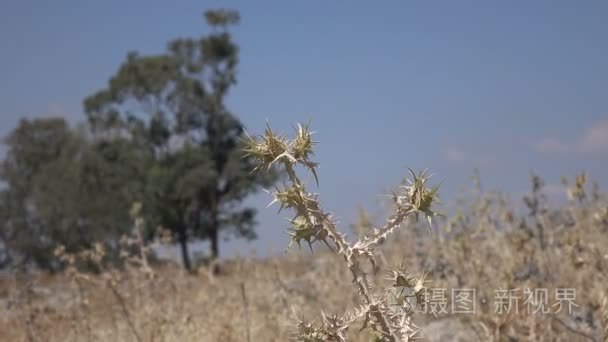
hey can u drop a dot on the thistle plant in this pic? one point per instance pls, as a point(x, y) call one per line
point(387, 311)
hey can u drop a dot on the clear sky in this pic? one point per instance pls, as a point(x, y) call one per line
point(506, 87)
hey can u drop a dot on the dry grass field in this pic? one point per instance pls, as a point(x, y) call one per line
point(497, 270)
point(484, 248)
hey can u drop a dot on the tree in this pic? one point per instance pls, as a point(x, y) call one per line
point(63, 189)
point(173, 106)
point(82, 197)
point(31, 146)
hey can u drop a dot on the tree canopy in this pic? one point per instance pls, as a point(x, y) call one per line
point(62, 189)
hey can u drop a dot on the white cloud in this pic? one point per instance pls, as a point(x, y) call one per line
point(458, 155)
point(455, 154)
point(551, 145)
point(595, 138)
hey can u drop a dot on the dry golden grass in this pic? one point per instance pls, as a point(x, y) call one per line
point(484, 248)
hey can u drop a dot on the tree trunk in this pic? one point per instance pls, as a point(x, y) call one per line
point(215, 246)
point(183, 241)
point(214, 236)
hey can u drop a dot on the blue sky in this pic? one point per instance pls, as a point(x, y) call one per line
point(506, 87)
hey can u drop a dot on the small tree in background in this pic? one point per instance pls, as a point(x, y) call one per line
point(31, 146)
point(61, 189)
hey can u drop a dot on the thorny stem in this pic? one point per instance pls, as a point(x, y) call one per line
point(342, 246)
point(312, 223)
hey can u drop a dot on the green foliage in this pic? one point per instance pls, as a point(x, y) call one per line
point(63, 189)
point(31, 147)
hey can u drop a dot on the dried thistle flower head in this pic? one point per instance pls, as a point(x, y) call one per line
point(417, 197)
point(301, 230)
point(271, 147)
point(268, 148)
point(302, 146)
